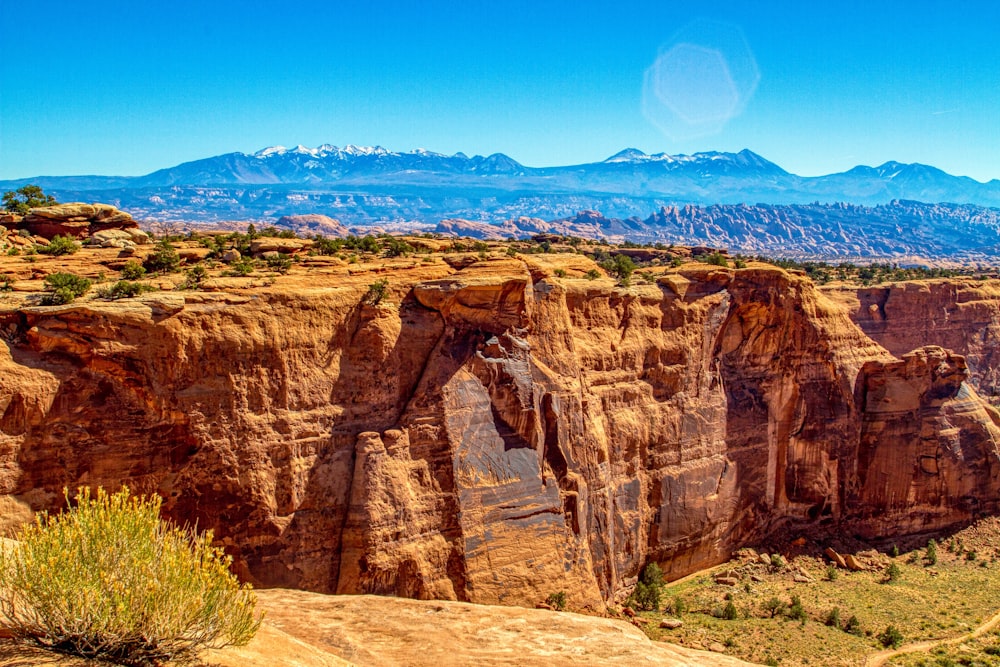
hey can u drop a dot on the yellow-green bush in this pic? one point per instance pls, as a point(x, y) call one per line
point(108, 579)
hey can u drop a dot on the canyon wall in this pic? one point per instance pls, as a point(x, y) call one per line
point(491, 432)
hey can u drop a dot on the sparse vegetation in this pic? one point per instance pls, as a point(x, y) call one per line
point(376, 292)
point(133, 270)
point(25, 198)
point(164, 259)
point(557, 600)
point(123, 289)
point(648, 589)
point(64, 288)
point(108, 579)
point(59, 245)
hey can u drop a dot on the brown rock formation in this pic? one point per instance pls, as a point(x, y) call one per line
point(961, 314)
point(75, 219)
point(491, 433)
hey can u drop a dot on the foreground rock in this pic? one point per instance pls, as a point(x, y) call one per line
point(371, 630)
point(491, 432)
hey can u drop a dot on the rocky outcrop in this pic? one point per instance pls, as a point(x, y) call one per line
point(313, 223)
point(492, 433)
point(75, 219)
point(929, 445)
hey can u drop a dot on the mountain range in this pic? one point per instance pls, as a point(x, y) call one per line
point(722, 197)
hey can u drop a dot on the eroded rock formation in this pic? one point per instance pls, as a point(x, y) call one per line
point(493, 433)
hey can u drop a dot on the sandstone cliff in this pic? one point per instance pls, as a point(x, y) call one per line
point(491, 433)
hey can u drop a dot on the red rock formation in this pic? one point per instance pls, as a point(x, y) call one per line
point(492, 434)
point(75, 219)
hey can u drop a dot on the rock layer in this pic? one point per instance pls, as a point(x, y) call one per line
point(493, 433)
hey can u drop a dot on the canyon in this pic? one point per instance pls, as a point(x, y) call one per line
point(497, 428)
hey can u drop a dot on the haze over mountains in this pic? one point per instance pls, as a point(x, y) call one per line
point(365, 186)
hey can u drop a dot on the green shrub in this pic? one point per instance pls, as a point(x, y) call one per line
point(729, 613)
point(592, 274)
point(241, 267)
point(282, 263)
point(164, 259)
point(108, 579)
point(892, 573)
point(649, 589)
point(777, 561)
point(557, 600)
point(931, 554)
point(831, 573)
point(376, 291)
point(326, 246)
point(833, 618)
point(796, 611)
point(621, 266)
point(891, 637)
point(195, 276)
point(716, 259)
point(123, 289)
point(853, 626)
point(133, 270)
point(560, 273)
point(64, 288)
point(678, 606)
point(59, 245)
point(774, 606)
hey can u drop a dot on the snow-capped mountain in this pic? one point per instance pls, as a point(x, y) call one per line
point(365, 184)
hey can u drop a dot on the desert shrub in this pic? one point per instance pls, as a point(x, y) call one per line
point(64, 288)
point(557, 600)
point(108, 579)
point(894, 551)
point(774, 606)
point(133, 270)
point(194, 277)
point(326, 246)
point(716, 259)
point(123, 289)
point(59, 245)
point(376, 291)
point(164, 259)
point(729, 613)
point(796, 611)
point(620, 266)
point(777, 561)
point(649, 589)
point(282, 263)
point(677, 606)
point(560, 273)
point(833, 618)
point(931, 555)
point(852, 626)
point(241, 267)
point(891, 637)
point(892, 573)
point(831, 573)
point(592, 274)
point(397, 247)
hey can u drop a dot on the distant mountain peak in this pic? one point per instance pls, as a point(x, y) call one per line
point(627, 155)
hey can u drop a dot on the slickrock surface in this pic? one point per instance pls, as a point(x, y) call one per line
point(311, 630)
point(490, 432)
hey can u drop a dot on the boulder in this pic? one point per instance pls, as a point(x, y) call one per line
point(231, 255)
point(671, 623)
point(853, 563)
point(272, 244)
point(837, 559)
point(75, 219)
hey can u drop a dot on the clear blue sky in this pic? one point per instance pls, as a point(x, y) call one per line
point(127, 87)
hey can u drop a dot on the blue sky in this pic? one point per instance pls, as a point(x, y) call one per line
point(129, 87)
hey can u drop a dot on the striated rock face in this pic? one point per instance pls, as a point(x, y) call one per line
point(75, 219)
point(929, 445)
point(962, 315)
point(492, 433)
